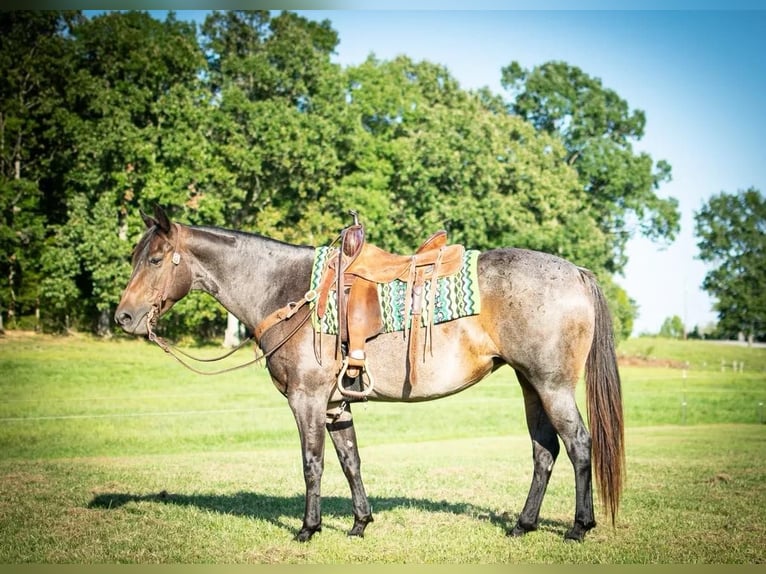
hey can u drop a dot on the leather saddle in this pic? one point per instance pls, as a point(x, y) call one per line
point(355, 272)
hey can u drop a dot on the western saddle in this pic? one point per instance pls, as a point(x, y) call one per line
point(355, 273)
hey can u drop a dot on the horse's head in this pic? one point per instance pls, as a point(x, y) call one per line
point(161, 275)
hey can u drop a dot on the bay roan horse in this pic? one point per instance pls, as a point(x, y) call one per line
point(540, 314)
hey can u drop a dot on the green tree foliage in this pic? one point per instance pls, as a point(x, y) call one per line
point(731, 229)
point(598, 129)
point(32, 48)
point(673, 328)
point(621, 306)
point(437, 157)
point(133, 117)
point(275, 118)
point(251, 125)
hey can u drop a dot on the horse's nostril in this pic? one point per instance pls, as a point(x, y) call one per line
point(123, 318)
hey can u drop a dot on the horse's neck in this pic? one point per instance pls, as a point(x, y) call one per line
point(249, 275)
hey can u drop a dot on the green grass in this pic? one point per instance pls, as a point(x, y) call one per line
point(696, 355)
point(112, 452)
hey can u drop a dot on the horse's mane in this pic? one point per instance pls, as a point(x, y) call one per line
point(232, 235)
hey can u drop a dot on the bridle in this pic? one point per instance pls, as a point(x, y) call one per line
point(278, 316)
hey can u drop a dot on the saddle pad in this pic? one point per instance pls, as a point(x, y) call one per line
point(456, 296)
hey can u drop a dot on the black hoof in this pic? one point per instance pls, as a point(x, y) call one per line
point(577, 532)
point(306, 533)
point(359, 525)
point(520, 530)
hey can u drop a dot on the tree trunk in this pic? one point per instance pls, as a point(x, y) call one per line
point(104, 326)
point(231, 336)
point(12, 302)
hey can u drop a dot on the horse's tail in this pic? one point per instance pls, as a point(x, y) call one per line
point(604, 400)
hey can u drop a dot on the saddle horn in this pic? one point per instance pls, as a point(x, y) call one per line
point(352, 238)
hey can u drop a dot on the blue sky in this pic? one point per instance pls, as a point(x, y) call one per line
point(698, 75)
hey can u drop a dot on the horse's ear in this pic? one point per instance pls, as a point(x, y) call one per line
point(148, 220)
point(162, 219)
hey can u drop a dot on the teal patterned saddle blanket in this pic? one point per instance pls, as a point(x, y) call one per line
point(456, 296)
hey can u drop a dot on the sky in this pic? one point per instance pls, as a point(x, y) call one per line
point(699, 76)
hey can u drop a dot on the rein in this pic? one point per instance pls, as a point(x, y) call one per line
point(272, 320)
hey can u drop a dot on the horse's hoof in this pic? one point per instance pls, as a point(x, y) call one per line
point(519, 530)
point(359, 525)
point(305, 534)
point(577, 533)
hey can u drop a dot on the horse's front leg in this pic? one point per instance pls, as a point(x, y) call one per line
point(340, 425)
point(309, 411)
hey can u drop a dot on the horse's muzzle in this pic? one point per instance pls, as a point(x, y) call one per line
point(134, 323)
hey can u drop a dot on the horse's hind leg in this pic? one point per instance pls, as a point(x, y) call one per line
point(340, 425)
point(561, 407)
point(553, 406)
point(545, 449)
point(577, 442)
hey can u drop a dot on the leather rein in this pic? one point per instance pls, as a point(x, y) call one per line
point(278, 316)
point(174, 351)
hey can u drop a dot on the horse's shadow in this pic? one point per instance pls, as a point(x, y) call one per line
point(274, 509)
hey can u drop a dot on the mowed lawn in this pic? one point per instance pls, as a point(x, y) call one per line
point(112, 452)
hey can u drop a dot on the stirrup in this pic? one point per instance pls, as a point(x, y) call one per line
point(363, 394)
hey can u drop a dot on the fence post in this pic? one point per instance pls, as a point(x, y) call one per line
point(683, 397)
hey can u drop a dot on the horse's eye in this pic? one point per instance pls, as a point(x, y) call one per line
point(156, 261)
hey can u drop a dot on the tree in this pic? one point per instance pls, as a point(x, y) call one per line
point(275, 117)
point(251, 125)
point(621, 306)
point(597, 129)
point(426, 154)
point(130, 116)
point(673, 328)
point(731, 229)
point(32, 47)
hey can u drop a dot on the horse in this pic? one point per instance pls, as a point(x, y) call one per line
point(543, 316)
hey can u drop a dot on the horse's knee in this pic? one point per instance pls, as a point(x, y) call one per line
point(313, 468)
point(341, 428)
point(313, 464)
point(545, 456)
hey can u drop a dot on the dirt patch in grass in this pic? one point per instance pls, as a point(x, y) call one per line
point(638, 361)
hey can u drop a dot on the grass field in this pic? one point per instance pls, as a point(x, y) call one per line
point(112, 452)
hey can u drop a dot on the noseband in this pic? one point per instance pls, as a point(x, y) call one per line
point(278, 316)
point(162, 296)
